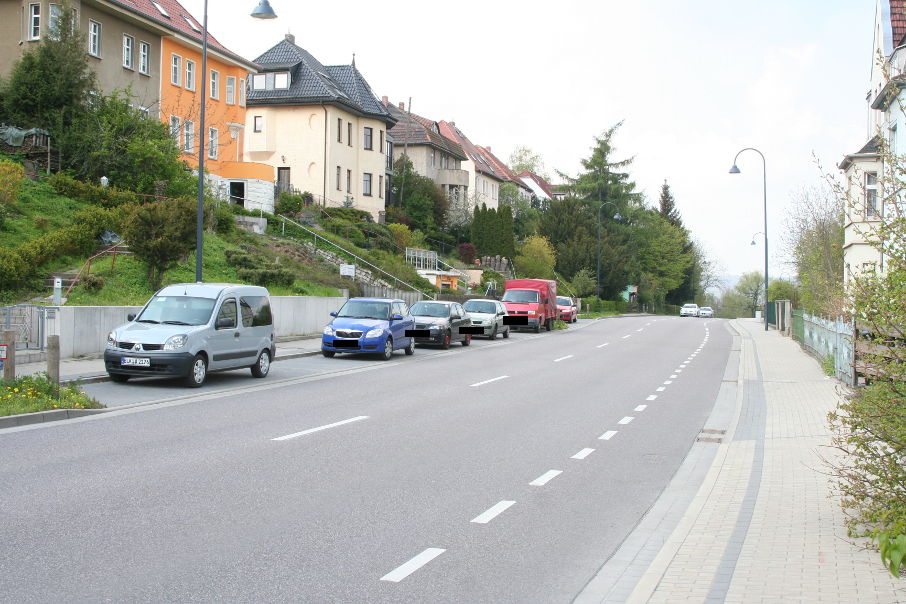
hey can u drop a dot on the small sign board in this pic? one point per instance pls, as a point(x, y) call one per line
point(2, 351)
point(347, 270)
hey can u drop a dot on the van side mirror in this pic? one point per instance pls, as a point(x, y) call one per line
point(396, 317)
point(130, 316)
point(225, 323)
point(333, 313)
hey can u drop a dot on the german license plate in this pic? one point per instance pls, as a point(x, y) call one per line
point(345, 343)
point(135, 362)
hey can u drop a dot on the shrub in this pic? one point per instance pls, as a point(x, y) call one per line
point(350, 214)
point(224, 220)
point(31, 393)
point(290, 204)
point(467, 253)
point(160, 234)
point(267, 276)
point(11, 176)
point(239, 259)
point(345, 229)
point(92, 283)
point(108, 197)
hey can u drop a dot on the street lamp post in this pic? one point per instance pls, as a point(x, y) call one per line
point(262, 11)
point(598, 273)
point(755, 235)
point(764, 172)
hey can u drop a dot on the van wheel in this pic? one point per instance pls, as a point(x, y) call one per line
point(388, 349)
point(537, 328)
point(119, 378)
point(260, 369)
point(547, 324)
point(506, 333)
point(410, 349)
point(328, 353)
point(198, 372)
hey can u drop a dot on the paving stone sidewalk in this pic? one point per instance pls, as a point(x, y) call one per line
point(764, 525)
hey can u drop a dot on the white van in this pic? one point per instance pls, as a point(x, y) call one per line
point(189, 329)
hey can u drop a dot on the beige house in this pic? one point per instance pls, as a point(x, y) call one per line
point(484, 181)
point(863, 212)
point(432, 154)
point(320, 127)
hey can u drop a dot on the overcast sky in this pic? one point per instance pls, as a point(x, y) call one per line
point(694, 81)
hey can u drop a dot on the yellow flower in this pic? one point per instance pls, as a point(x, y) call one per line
point(15, 390)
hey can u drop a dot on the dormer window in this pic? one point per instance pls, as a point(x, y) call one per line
point(271, 81)
point(281, 80)
point(191, 23)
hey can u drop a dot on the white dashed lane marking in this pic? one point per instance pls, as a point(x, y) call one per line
point(493, 512)
point(403, 571)
point(651, 397)
point(502, 377)
point(608, 435)
point(569, 356)
point(641, 407)
point(545, 478)
point(319, 428)
point(626, 420)
point(583, 453)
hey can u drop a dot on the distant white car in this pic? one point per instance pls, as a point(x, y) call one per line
point(706, 311)
point(689, 310)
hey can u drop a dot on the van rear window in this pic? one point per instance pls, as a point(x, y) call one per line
point(255, 311)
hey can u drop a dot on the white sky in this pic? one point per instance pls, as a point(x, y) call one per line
point(694, 81)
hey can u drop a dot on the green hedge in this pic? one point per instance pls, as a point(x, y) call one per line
point(267, 276)
point(107, 197)
point(594, 304)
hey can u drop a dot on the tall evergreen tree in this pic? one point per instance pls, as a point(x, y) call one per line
point(668, 206)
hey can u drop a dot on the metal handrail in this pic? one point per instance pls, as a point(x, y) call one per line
point(359, 258)
point(87, 263)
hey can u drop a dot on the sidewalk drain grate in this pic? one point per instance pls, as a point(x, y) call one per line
point(710, 435)
point(708, 439)
point(713, 431)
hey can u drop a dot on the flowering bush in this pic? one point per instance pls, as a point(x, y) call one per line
point(32, 393)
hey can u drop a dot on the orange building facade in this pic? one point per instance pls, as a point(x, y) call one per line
point(250, 184)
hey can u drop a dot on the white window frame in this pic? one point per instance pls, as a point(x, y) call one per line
point(259, 81)
point(175, 69)
point(128, 51)
point(368, 138)
point(94, 38)
point(366, 184)
point(258, 123)
point(281, 80)
point(188, 134)
point(213, 141)
point(54, 13)
point(144, 57)
point(215, 84)
point(230, 90)
point(34, 21)
point(242, 92)
point(190, 74)
point(871, 195)
point(176, 130)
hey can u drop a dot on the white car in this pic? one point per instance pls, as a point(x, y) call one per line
point(706, 311)
point(689, 310)
point(488, 314)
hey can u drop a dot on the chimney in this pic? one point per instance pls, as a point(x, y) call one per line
point(384, 100)
point(488, 148)
point(290, 38)
point(402, 105)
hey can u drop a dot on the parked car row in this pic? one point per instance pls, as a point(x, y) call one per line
point(190, 329)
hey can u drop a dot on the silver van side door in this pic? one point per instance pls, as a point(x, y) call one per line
point(223, 343)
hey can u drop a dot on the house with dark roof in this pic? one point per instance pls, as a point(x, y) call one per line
point(541, 189)
point(504, 172)
point(153, 47)
point(432, 154)
point(321, 127)
point(886, 131)
point(484, 179)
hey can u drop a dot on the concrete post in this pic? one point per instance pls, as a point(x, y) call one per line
point(53, 359)
point(9, 364)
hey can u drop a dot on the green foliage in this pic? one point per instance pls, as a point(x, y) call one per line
point(345, 229)
point(266, 276)
point(751, 287)
point(113, 139)
point(667, 207)
point(583, 282)
point(108, 197)
point(663, 257)
point(536, 259)
point(239, 259)
point(467, 253)
point(351, 214)
point(50, 85)
point(828, 365)
point(524, 159)
point(291, 205)
point(492, 231)
point(420, 200)
point(32, 393)
point(160, 234)
point(223, 218)
point(592, 305)
point(778, 289)
point(11, 176)
point(400, 234)
point(893, 551)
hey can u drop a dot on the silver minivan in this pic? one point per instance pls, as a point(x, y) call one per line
point(188, 329)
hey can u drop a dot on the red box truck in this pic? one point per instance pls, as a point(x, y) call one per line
point(530, 303)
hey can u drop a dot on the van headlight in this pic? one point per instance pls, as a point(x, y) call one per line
point(175, 342)
point(375, 333)
point(328, 330)
point(111, 340)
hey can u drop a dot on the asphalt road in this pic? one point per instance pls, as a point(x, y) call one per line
point(507, 471)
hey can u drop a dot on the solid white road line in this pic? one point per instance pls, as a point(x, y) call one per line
point(319, 428)
point(673, 377)
point(683, 366)
point(625, 420)
point(492, 513)
point(583, 453)
point(545, 478)
point(659, 389)
point(413, 565)
point(569, 356)
point(502, 377)
point(608, 435)
point(668, 382)
point(624, 337)
point(602, 345)
point(640, 329)
point(651, 397)
point(641, 407)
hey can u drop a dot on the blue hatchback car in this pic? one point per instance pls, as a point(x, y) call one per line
point(369, 326)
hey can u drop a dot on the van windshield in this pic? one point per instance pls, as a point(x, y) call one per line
point(520, 295)
point(177, 310)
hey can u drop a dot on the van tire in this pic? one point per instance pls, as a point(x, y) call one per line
point(328, 353)
point(506, 333)
point(537, 328)
point(263, 365)
point(119, 378)
point(198, 373)
point(547, 324)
